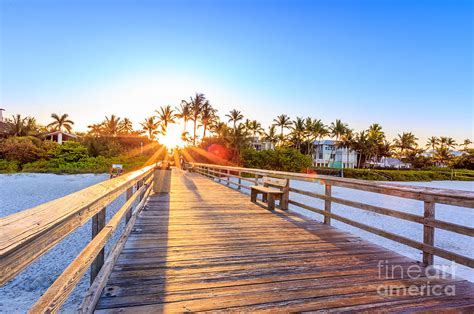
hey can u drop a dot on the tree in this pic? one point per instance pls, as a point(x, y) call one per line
point(184, 112)
point(165, 117)
point(234, 117)
point(151, 127)
point(196, 105)
point(376, 139)
point(255, 128)
point(96, 129)
point(126, 126)
point(338, 128)
point(61, 122)
point(442, 155)
point(17, 125)
point(207, 116)
point(111, 126)
point(405, 142)
point(432, 142)
point(466, 144)
point(283, 122)
point(298, 131)
point(347, 141)
point(271, 135)
point(448, 142)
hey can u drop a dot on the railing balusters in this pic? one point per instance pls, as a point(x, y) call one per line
point(128, 215)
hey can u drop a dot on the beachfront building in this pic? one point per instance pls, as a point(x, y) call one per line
point(4, 127)
point(260, 144)
point(60, 137)
point(326, 153)
point(389, 162)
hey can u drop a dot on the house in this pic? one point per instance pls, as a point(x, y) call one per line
point(60, 137)
point(4, 126)
point(389, 162)
point(326, 153)
point(260, 145)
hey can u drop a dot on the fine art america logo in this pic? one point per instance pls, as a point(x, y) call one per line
point(416, 280)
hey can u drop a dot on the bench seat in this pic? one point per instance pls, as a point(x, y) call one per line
point(266, 189)
point(271, 190)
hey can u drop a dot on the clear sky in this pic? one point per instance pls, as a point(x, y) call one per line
point(405, 64)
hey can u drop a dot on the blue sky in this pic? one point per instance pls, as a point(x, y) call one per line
point(405, 64)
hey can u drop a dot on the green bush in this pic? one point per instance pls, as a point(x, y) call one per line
point(409, 175)
point(8, 166)
point(281, 159)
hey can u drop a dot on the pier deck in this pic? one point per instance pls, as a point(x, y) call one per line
point(206, 247)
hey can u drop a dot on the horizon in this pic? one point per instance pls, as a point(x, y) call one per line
point(362, 62)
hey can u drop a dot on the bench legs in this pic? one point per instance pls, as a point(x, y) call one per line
point(271, 201)
point(253, 196)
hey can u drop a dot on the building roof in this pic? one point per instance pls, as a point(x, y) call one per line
point(325, 142)
point(64, 133)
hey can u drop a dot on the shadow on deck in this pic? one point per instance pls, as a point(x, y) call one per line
point(205, 247)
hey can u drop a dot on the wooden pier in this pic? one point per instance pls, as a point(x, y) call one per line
point(206, 247)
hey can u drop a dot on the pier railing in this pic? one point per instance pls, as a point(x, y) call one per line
point(429, 196)
point(27, 235)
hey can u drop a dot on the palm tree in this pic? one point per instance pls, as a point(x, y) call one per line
point(255, 127)
point(165, 116)
point(184, 112)
point(448, 142)
point(338, 128)
point(376, 139)
point(466, 144)
point(234, 117)
point(432, 142)
point(151, 127)
point(126, 126)
point(405, 142)
point(347, 141)
point(17, 125)
point(298, 131)
point(196, 105)
point(442, 154)
point(283, 122)
point(111, 126)
point(271, 135)
point(96, 129)
point(318, 131)
point(208, 114)
point(60, 122)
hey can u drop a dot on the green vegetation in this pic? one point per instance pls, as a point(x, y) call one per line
point(283, 159)
point(410, 175)
point(230, 142)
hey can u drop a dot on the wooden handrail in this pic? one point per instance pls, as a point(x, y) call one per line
point(442, 196)
point(27, 235)
point(430, 196)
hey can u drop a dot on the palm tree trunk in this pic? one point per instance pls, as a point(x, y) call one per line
point(194, 134)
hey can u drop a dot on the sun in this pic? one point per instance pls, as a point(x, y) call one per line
point(172, 138)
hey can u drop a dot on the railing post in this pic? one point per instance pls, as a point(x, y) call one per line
point(428, 231)
point(98, 222)
point(256, 179)
point(128, 215)
point(228, 177)
point(240, 181)
point(327, 203)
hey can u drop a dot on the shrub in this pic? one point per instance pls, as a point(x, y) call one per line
point(7, 166)
point(70, 152)
point(20, 149)
point(281, 159)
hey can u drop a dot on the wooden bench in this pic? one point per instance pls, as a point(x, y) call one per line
point(271, 190)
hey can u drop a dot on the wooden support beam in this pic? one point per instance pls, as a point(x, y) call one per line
point(327, 203)
point(98, 223)
point(428, 232)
